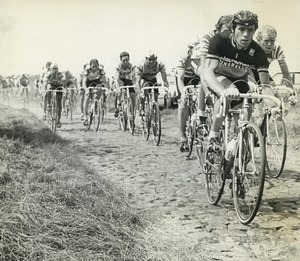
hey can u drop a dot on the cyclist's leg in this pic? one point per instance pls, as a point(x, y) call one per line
point(182, 113)
point(132, 97)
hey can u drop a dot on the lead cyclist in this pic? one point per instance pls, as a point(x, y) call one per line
point(229, 58)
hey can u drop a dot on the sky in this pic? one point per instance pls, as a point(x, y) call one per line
point(71, 32)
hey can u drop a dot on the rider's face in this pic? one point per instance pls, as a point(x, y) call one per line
point(151, 61)
point(125, 60)
point(267, 42)
point(243, 35)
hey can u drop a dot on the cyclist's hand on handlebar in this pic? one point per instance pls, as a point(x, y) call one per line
point(276, 113)
point(232, 93)
point(292, 100)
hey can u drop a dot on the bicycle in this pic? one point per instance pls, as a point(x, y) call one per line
point(152, 119)
point(24, 96)
point(275, 133)
point(69, 102)
point(97, 107)
point(241, 158)
point(52, 112)
point(191, 122)
point(126, 113)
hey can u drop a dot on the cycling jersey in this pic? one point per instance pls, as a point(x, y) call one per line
point(189, 66)
point(203, 45)
point(276, 54)
point(235, 63)
point(55, 79)
point(124, 72)
point(147, 72)
point(23, 81)
point(94, 75)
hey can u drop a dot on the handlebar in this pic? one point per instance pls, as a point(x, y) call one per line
point(223, 100)
point(155, 88)
point(127, 87)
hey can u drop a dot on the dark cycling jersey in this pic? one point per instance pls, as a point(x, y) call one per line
point(236, 63)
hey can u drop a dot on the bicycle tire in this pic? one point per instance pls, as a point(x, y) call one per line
point(130, 118)
point(102, 109)
point(97, 115)
point(275, 137)
point(53, 116)
point(189, 132)
point(215, 174)
point(156, 124)
point(248, 170)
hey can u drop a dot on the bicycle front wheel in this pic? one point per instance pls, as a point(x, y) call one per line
point(276, 146)
point(248, 173)
point(156, 123)
point(53, 116)
point(189, 132)
point(97, 115)
point(102, 109)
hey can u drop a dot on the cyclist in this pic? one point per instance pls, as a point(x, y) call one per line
point(266, 37)
point(223, 25)
point(229, 58)
point(55, 81)
point(43, 86)
point(147, 71)
point(124, 77)
point(186, 73)
point(82, 89)
point(23, 81)
point(69, 81)
point(94, 75)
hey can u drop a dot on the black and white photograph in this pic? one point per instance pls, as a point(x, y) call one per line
point(149, 130)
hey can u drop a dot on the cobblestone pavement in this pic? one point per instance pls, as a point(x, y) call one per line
point(161, 179)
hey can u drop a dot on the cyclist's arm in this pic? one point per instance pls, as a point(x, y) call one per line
point(210, 78)
point(164, 76)
point(285, 73)
point(180, 77)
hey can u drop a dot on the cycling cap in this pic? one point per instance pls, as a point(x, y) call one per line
point(224, 19)
point(122, 54)
point(95, 62)
point(245, 18)
point(151, 54)
point(48, 64)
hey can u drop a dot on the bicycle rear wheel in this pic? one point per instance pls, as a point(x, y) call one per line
point(248, 173)
point(156, 123)
point(276, 146)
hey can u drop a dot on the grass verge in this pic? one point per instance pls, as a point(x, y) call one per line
point(54, 207)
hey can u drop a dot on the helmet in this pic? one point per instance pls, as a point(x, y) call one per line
point(151, 54)
point(94, 62)
point(122, 54)
point(245, 18)
point(54, 65)
point(224, 19)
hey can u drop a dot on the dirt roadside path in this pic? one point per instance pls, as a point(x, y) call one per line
point(162, 180)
